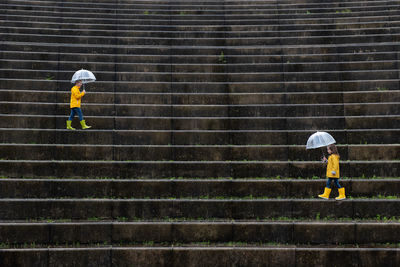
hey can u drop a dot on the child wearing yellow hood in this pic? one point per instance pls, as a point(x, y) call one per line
point(75, 105)
point(332, 173)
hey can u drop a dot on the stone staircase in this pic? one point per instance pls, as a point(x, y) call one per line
point(200, 114)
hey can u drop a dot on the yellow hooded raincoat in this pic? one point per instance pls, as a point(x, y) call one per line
point(332, 170)
point(76, 96)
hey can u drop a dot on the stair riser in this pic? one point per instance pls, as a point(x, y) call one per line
point(200, 59)
point(203, 42)
point(215, 67)
point(204, 169)
point(167, 77)
point(183, 32)
point(187, 14)
point(165, 153)
point(39, 136)
point(178, 256)
point(123, 233)
point(379, 24)
point(57, 188)
point(152, 123)
point(206, 111)
point(157, 209)
point(228, 51)
point(208, 99)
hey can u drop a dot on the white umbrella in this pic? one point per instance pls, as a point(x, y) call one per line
point(85, 76)
point(319, 139)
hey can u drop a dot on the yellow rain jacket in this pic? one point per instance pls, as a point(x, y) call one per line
point(76, 96)
point(332, 170)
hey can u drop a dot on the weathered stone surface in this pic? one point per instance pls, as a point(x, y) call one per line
point(142, 257)
point(74, 257)
point(24, 257)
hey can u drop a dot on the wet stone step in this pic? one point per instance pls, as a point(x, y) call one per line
point(190, 153)
point(317, 40)
point(191, 169)
point(121, 59)
point(205, 123)
point(210, 77)
point(191, 137)
point(185, 50)
point(190, 232)
point(363, 98)
point(278, 110)
point(23, 209)
point(193, 188)
point(350, 13)
point(14, 23)
point(207, 87)
point(222, 32)
point(195, 255)
point(216, 66)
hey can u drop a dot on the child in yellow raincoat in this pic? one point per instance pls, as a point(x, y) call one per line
point(332, 173)
point(75, 105)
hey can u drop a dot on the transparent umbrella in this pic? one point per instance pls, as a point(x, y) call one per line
point(85, 76)
point(319, 139)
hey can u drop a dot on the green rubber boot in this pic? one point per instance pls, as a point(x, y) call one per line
point(69, 127)
point(84, 126)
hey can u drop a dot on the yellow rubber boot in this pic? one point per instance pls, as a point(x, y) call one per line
point(342, 195)
point(69, 127)
point(84, 126)
point(326, 193)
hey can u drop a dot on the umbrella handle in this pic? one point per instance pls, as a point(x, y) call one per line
point(323, 155)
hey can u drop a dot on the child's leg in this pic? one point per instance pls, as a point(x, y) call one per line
point(336, 182)
point(329, 182)
point(71, 117)
point(79, 112)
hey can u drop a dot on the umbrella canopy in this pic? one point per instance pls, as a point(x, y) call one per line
point(319, 139)
point(85, 76)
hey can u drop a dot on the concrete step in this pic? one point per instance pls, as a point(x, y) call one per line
point(221, 9)
point(191, 137)
point(376, 47)
point(210, 77)
point(190, 153)
point(380, 23)
point(119, 233)
point(202, 6)
point(150, 110)
point(222, 41)
point(207, 4)
point(76, 209)
point(190, 169)
point(222, 32)
point(190, 13)
point(215, 67)
point(204, 123)
point(362, 97)
point(193, 188)
point(121, 59)
point(205, 256)
point(205, 87)
point(208, 18)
